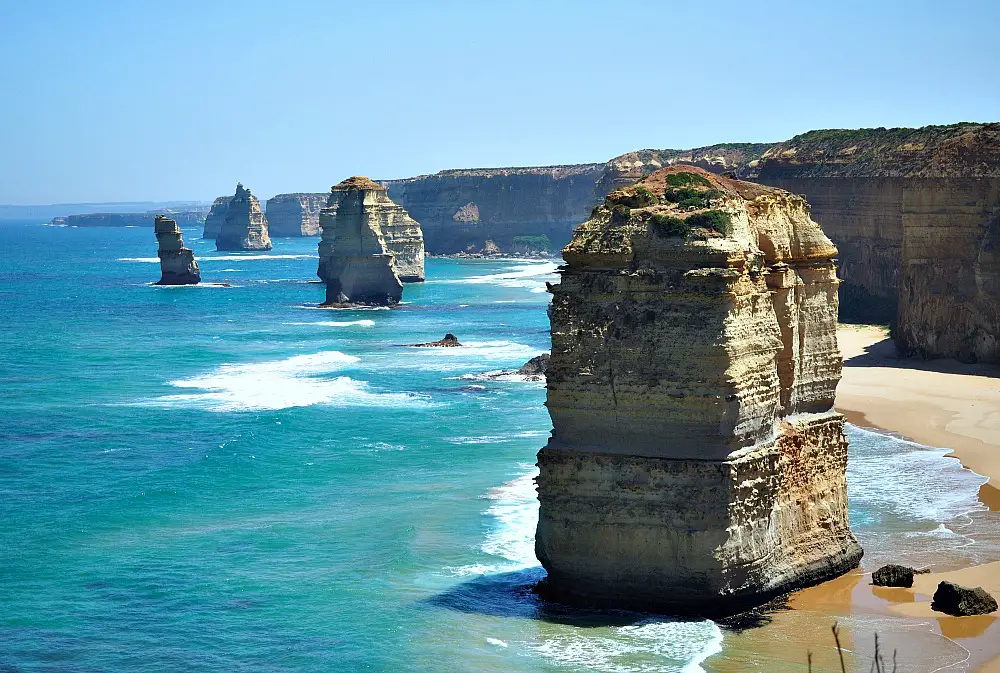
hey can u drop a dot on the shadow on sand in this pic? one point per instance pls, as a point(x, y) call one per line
point(883, 354)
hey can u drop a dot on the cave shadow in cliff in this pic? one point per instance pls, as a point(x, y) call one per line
point(883, 354)
point(516, 594)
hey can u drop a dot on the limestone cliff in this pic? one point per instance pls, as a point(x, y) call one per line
point(915, 213)
point(354, 259)
point(462, 208)
point(294, 214)
point(404, 238)
point(696, 462)
point(216, 217)
point(177, 264)
point(245, 227)
point(192, 217)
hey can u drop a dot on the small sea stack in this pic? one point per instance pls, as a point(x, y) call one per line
point(177, 263)
point(216, 218)
point(696, 465)
point(404, 239)
point(354, 259)
point(245, 227)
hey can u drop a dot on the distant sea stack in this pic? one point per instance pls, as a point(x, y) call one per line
point(245, 227)
point(216, 218)
point(177, 264)
point(354, 259)
point(294, 214)
point(696, 463)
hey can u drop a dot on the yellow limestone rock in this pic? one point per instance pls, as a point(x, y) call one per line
point(696, 463)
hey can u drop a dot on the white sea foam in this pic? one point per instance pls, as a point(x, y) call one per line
point(530, 275)
point(221, 258)
point(298, 381)
point(505, 375)
point(335, 323)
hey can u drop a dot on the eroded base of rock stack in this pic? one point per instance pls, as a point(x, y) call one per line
point(696, 464)
point(177, 263)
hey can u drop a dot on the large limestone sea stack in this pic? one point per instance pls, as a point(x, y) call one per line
point(355, 261)
point(177, 264)
point(245, 227)
point(696, 463)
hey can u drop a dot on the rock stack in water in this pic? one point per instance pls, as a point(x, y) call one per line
point(404, 239)
point(177, 265)
point(354, 258)
point(216, 217)
point(245, 227)
point(696, 463)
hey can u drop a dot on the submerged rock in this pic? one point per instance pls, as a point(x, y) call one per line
point(449, 341)
point(177, 263)
point(354, 260)
point(403, 237)
point(696, 464)
point(958, 601)
point(893, 575)
point(245, 227)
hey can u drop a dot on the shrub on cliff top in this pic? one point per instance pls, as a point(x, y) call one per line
point(639, 198)
point(682, 179)
point(666, 226)
point(620, 214)
point(712, 219)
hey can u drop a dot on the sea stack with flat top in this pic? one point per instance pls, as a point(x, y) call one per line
point(177, 263)
point(696, 465)
point(245, 227)
point(354, 259)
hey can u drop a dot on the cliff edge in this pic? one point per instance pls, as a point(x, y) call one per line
point(696, 463)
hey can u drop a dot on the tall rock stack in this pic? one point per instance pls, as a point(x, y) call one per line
point(216, 218)
point(294, 214)
point(245, 227)
point(696, 463)
point(177, 265)
point(354, 259)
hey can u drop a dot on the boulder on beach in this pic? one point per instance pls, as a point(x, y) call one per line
point(958, 601)
point(893, 575)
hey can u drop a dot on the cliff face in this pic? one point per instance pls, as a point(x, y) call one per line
point(216, 218)
point(403, 235)
point(463, 208)
point(183, 217)
point(354, 259)
point(696, 463)
point(294, 214)
point(914, 213)
point(177, 264)
point(245, 227)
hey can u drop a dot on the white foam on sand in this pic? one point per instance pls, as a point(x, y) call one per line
point(298, 381)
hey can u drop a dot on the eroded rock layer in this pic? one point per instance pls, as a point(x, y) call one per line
point(294, 214)
point(696, 463)
point(354, 258)
point(177, 263)
point(404, 238)
point(245, 227)
point(216, 217)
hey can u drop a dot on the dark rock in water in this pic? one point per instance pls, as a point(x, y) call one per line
point(449, 341)
point(960, 601)
point(536, 366)
point(893, 575)
point(177, 263)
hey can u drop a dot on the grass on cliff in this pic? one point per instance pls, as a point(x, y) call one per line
point(684, 179)
point(712, 219)
point(640, 197)
point(689, 198)
point(668, 226)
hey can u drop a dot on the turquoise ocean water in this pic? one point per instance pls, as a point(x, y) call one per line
point(229, 478)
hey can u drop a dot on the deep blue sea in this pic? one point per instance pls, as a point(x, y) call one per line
point(223, 478)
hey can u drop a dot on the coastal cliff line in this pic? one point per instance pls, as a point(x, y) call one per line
point(294, 214)
point(696, 463)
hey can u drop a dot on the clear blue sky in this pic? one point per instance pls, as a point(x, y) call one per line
point(114, 101)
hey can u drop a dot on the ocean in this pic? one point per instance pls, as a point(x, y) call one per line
point(223, 478)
